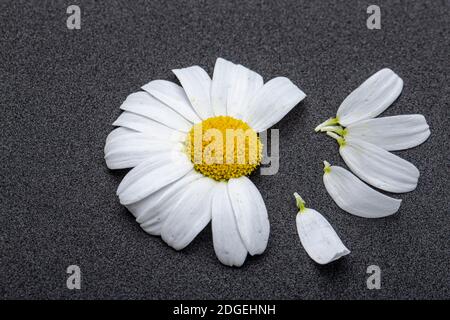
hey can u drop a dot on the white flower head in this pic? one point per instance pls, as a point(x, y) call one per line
point(186, 169)
point(317, 236)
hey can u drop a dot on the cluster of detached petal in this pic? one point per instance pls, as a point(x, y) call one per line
point(365, 143)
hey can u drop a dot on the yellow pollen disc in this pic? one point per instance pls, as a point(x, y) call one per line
point(223, 148)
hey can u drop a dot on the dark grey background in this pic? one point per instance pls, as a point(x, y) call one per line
point(61, 89)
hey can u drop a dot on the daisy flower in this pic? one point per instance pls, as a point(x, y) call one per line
point(191, 148)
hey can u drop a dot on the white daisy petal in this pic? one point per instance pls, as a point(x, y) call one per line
point(118, 132)
point(391, 133)
point(371, 98)
point(378, 167)
point(197, 85)
point(318, 237)
point(149, 127)
point(174, 96)
point(272, 102)
point(153, 174)
point(355, 197)
point(245, 85)
point(250, 213)
point(152, 211)
point(142, 103)
point(190, 214)
point(228, 245)
point(115, 138)
point(127, 151)
point(221, 83)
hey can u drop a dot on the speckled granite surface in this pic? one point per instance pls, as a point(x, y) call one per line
point(61, 89)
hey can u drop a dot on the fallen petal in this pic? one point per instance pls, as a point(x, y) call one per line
point(355, 197)
point(371, 98)
point(391, 133)
point(378, 167)
point(317, 236)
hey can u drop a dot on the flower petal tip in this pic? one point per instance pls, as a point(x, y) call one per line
point(300, 202)
point(336, 257)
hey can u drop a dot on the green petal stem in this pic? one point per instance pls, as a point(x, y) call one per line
point(300, 202)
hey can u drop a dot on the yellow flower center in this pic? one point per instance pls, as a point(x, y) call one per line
point(223, 148)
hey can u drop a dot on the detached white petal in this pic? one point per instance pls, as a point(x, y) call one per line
point(228, 245)
point(174, 96)
point(272, 102)
point(197, 85)
point(391, 133)
point(317, 236)
point(148, 126)
point(150, 176)
point(250, 213)
point(145, 105)
point(371, 98)
point(355, 197)
point(190, 214)
point(378, 167)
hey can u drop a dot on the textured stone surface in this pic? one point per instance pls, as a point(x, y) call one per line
point(61, 89)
